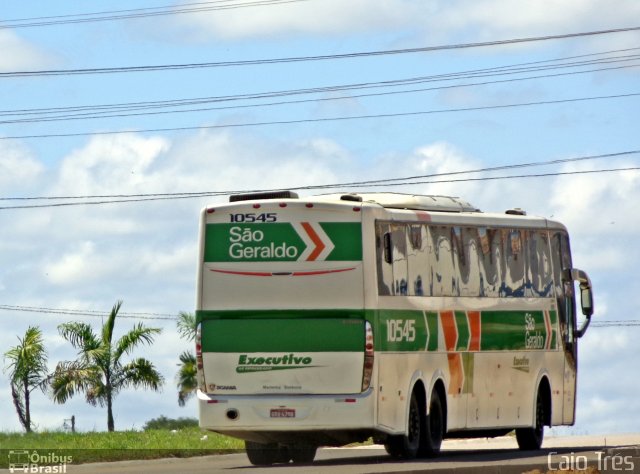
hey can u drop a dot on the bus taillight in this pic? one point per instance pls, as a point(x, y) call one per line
point(199, 364)
point(368, 356)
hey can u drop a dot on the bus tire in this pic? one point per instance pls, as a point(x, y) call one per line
point(260, 454)
point(434, 428)
point(302, 453)
point(530, 439)
point(407, 446)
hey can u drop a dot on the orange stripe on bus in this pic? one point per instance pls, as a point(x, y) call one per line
point(320, 246)
point(449, 329)
point(548, 329)
point(457, 376)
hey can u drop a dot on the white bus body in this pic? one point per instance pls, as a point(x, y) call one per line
point(332, 319)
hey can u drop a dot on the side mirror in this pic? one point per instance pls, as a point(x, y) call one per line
point(586, 296)
point(586, 300)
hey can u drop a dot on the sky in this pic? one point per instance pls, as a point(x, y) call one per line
point(376, 116)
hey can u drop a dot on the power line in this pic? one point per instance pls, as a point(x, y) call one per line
point(87, 313)
point(620, 323)
point(373, 182)
point(256, 62)
point(212, 194)
point(498, 70)
point(191, 196)
point(325, 119)
point(139, 13)
point(111, 12)
point(495, 178)
point(138, 108)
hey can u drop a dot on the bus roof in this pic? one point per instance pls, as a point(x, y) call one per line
point(449, 208)
point(399, 203)
point(416, 202)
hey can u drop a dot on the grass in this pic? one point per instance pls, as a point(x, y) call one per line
point(120, 445)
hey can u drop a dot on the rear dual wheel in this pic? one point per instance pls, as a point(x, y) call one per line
point(260, 454)
point(424, 432)
point(435, 428)
point(407, 446)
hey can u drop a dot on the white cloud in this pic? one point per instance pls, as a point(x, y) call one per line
point(503, 19)
point(17, 167)
point(134, 244)
point(219, 161)
point(435, 162)
point(602, 202)
point(110, 165)
point(434, 21)
point(328, 17)
point(20, 55)
point(75, 267)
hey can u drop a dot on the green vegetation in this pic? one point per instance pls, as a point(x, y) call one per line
point(99, 371)
point(121, 445)
point(186, 378)
point(164, 423)
point(27, 366)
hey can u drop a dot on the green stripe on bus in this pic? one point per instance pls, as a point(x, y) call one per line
point(280, 242)
point(347, 238)
point(463, 331)
point(333, 330)
point(206, 315)
point(283, 335)
point(401, 330)
point(274, 242)
point(432, 323)
point(507, 330)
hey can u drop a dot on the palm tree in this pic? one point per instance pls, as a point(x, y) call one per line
point(186, 378)
point(27, 371)
point(99, 371)
point(187, 325)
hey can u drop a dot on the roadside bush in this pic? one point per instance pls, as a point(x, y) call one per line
point(164, 423)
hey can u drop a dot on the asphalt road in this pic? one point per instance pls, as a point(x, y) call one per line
point(619, 453)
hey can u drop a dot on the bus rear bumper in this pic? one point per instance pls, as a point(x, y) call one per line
point(317, 419)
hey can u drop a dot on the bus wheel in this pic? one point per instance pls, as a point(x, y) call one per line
point(434, 431)
point(530, 439)
point(260, 454)
point(302, 453)
point(407, 446)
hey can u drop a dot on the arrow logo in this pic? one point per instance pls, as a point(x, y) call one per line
point(318, 244)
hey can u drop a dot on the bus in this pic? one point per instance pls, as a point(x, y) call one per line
point(333, 319)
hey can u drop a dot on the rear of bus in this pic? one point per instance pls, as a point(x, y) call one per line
point(284, 349)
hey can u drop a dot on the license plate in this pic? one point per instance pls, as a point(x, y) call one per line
point(283, 413)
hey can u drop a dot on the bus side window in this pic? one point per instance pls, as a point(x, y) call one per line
point(539, 277)
point(561, 259)
point(417, 254)
point(384, 259)
point(399, 246)
point(441, 265)
point(569, 296)
point(471, 246)
point(460, 262)
point(513, 283)
point(488, 258)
